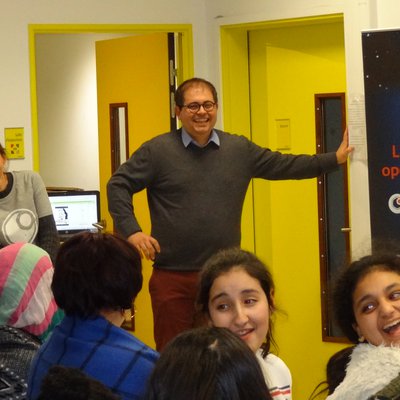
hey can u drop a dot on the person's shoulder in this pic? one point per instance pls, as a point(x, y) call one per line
point(27, 179)
point(233, 139)
point(145, 350)
point(164, 138)
point(26, 175)
point(159, 145)
point(273, 361)
point(25, 172)
point(122, 338)
point(230, 136)
point(14, 336)
point(365, 352)
point(151, 354)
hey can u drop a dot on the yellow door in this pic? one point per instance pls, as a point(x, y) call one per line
point(133, 70)
point(288, 66)
point(286, 63)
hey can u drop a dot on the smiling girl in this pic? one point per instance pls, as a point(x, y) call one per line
point(366, 302)
point(236, 291)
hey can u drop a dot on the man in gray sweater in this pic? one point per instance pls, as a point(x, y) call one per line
point(196, 180)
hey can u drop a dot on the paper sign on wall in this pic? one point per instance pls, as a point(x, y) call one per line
point(283, 134)
point(14, 142)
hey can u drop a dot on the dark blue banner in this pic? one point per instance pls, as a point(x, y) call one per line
point(381, 57)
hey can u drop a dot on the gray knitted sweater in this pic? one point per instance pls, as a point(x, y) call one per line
point(17, 349)
point(196, 195)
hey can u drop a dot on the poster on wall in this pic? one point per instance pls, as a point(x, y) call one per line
point(381, 60)
point(14, 142)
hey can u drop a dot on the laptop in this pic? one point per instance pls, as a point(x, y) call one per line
point(75, 211)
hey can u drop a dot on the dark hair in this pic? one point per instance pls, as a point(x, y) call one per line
point(336, 368)
point(181, 90)
point(345, 285)
point(65, 383)
point(223, 262)
point(94, 272)
point(3, 151)
point(335, 372)
point(207, 364)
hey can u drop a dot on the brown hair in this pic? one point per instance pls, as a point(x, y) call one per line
point(3, 151)
point(95, 271)
point(222, 262)
point(180, 92)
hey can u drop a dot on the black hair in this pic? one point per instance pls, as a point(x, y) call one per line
point(222, 262)
point(65, 383)
point(207, 363)
point(181, 90)
point(335, 372)
point(346, 283)
point(94, 272)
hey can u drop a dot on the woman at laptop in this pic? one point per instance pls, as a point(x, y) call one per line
point(25, 211)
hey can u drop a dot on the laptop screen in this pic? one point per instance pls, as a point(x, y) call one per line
point(75, 211)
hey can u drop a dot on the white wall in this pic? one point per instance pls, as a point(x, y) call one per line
point(358, 16)
point(67, 109)
point(388, 15)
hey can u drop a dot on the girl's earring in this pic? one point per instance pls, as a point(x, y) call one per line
point(361, 339)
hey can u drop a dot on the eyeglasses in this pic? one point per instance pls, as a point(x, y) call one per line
point(129, 313)
point(195, 107)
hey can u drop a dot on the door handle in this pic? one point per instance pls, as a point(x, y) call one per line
point(345, 230)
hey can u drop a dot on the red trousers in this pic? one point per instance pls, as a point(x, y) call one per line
point(173, 296)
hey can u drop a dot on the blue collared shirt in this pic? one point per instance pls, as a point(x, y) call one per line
point(187, 139)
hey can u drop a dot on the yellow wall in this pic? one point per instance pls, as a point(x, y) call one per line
point(143, 83)
point(289, 63)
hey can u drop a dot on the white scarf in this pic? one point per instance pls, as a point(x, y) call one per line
point(370, 369)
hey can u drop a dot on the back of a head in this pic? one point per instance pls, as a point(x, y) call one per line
point(207, 364)
point(26, 299)
point(63, 383)
point(94, 272)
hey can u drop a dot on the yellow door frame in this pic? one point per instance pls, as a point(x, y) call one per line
point(234, 65)
point(185, 70)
